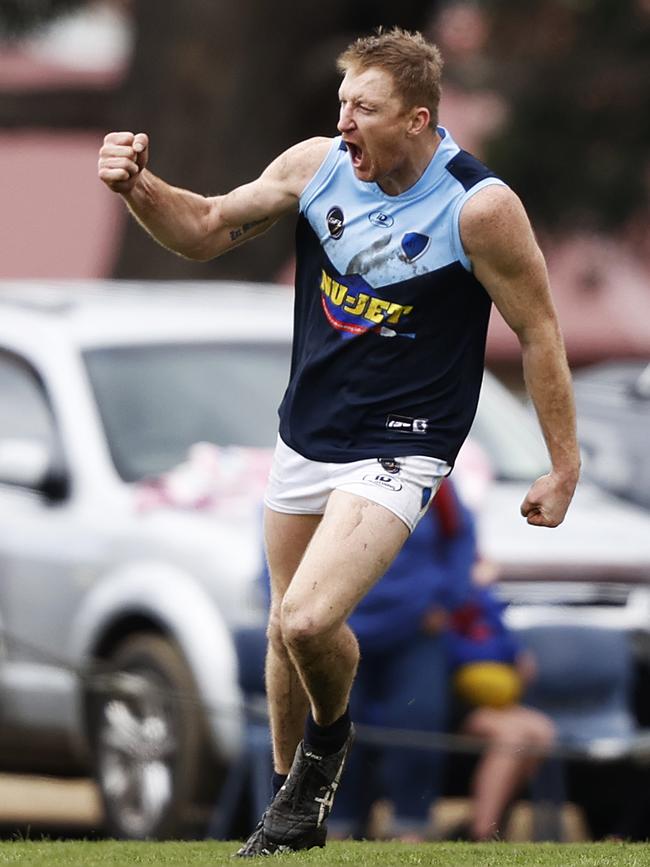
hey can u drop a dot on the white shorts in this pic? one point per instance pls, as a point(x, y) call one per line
point(404, 485)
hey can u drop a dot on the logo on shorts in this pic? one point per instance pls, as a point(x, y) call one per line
point(404, 424)
point(335, 222)
point(391, 465)
point(387, 482)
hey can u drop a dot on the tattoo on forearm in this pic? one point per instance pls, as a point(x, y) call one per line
point(238, 233)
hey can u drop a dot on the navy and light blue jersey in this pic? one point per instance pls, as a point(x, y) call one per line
point(390, 323)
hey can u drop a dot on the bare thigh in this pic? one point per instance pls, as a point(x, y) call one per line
point(515, 725)
point(352, 547)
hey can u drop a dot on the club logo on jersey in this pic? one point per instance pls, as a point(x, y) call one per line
point(413, 245)
point(335, 222)
point(405, 424)
point(387, 482)
point(353, 308)
point(378, 218)
point(390, 465)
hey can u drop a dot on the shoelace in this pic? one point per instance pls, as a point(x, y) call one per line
point(303, 780)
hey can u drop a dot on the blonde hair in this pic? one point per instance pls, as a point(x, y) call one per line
point(414, 64)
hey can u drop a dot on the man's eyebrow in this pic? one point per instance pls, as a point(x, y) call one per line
point(357, 100)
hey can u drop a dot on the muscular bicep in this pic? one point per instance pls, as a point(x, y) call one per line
point(251, 209)
point(243, 214)
point(506, 258)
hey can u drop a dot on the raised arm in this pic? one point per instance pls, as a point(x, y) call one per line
point(499, 241)
point(197, 226)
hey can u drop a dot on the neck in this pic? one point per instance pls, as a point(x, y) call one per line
point(413, 166)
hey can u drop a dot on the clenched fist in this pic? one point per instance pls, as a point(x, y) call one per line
point(547, 501)
point(121, 159)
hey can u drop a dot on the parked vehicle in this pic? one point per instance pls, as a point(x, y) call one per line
point(100, 393)
point(613, 400)
point(129, 552)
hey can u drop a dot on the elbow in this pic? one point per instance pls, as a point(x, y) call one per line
point(203, 247)
point(199, 253)
point(192, 252)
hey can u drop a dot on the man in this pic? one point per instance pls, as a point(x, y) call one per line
point(403, 241)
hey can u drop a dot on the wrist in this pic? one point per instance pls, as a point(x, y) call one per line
point(138, 189)
point(567, 475)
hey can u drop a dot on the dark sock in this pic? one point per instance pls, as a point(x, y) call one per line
point(327, 740)
point(277, 781)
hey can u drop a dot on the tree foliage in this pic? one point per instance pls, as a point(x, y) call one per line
point(576, 74)
point(18, 17)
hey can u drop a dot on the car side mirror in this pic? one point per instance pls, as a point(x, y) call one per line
point(31, 464)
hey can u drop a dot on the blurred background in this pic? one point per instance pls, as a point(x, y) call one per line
point(553, 94)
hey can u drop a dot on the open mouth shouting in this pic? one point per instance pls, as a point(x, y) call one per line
point(356, 154)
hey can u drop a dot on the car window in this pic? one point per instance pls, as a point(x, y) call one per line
point(24, 411)
point(157, 400)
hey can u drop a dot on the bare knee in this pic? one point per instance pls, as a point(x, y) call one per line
point(304, 627)
point(542, 731)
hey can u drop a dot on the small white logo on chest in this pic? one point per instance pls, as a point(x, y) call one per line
point(378, 218)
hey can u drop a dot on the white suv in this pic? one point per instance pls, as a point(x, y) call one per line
point(123, 579)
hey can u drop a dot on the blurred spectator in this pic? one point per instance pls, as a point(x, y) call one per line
point(430, 616)
point(490, 674)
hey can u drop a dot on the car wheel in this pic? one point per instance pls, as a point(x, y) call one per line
point(148, 737)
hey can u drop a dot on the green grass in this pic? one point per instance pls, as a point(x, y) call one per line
point(109, 852)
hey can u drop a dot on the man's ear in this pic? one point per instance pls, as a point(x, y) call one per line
point(419, 120)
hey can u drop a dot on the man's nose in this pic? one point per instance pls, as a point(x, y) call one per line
point(345, 123)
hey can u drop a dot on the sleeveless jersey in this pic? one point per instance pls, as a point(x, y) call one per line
point(389, 323)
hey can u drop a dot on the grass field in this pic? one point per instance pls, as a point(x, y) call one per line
point(108, 852)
